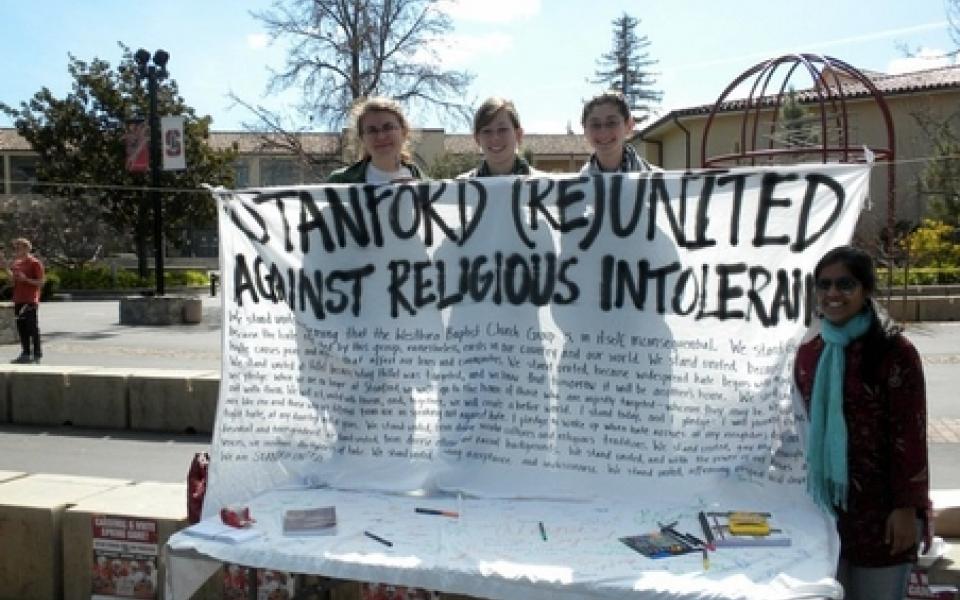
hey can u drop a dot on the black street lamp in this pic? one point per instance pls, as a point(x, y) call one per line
point(153, 73)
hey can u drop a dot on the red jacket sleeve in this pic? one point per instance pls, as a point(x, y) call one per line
point(910, 477)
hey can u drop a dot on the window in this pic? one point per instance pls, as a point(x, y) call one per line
point(278, 171)
point(23, 174)
point(241, 173)
point(3, 175)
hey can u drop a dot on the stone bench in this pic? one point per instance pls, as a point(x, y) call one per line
point(923, 308)
point(160, 310)
point(8, 325)
point(31, 547)
point(162, 400)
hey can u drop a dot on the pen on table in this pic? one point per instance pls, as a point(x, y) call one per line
point(707, 531)
point(433, 511)
point(543, 532)
point(373, 536)
point(695, 540)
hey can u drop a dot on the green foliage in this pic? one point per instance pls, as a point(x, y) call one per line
point(932, 244)
point(448, 166)
point(80, 142)
point(626, 68)
point(798, 126)
point(104, 278)
point(920, 276)
point(940, 179)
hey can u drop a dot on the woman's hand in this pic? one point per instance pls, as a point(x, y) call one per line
point(901, 530)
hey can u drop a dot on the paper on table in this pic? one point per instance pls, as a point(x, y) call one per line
point(214, 529)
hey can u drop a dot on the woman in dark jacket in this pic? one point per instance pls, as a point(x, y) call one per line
point(862, 383)
point(497, 130)
point(383, 134)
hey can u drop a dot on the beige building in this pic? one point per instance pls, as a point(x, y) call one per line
point(265, 160)
point(675, 141)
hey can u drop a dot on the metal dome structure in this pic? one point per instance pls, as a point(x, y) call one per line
point(775, 127)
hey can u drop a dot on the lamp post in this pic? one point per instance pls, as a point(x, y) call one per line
point(153, 72)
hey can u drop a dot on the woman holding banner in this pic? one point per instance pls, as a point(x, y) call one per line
point(862, 384)
point(497, 130)
point(383, 134)
point(607, 123)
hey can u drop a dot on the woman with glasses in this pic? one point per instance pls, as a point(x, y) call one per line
point(862, 384)
point(383, 135)
point(496, 129)
point(607, 123)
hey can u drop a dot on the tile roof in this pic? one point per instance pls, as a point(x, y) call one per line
point(256, 143)
point(941, 78)
point(11, 140)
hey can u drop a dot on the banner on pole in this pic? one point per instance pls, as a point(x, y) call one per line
point(172, 142)
point(136, 138)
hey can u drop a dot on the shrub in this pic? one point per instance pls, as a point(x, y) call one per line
point(103, 278)
point(920, 276)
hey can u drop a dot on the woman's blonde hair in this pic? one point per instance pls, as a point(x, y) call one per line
point(364, 107)
point(22, 242)
point(489, 109)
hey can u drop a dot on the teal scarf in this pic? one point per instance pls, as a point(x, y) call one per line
point(827, 439)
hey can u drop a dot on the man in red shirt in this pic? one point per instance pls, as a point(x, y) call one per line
point(26, 273)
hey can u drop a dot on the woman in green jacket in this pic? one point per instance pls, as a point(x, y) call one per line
point(383, 135)
point(497, 130)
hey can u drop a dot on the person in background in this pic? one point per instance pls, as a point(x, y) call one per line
point(383, 135)
point(607, 123)
point(27, 275)
point(862, 384)
point(497, 130)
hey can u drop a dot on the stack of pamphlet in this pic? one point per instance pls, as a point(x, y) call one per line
point(310, 521)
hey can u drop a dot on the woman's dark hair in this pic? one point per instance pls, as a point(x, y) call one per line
point(882, 328)
point(612, 97)
point(858, 262)
point(489, 109)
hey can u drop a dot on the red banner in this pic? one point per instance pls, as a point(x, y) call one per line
point(137, 141)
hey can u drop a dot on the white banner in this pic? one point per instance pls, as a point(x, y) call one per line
point(549, 337)
point(173, 143)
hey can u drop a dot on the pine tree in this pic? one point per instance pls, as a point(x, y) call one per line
point(626, 68)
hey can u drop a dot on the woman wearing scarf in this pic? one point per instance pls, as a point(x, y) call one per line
point(496, 129)
point(862, 384)
point(383, 135)
point(607, 123)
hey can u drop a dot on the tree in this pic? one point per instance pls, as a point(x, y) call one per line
point(345, 50)
point(940, 178)
point(447, 165)
point(625, 68)
point(80, 142)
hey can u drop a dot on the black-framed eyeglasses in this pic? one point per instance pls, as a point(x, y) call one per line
point(373, 130)
point(845, 285)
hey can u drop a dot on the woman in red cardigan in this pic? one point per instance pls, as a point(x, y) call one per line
point(862, 384)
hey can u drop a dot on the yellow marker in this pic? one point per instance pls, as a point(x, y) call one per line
point(748, 523)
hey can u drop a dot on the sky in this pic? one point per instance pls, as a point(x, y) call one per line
point(539, 53)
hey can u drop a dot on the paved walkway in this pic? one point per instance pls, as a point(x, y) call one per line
point(943, 431)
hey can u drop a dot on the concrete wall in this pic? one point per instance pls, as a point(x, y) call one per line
point(31, 544)
point(98, 398)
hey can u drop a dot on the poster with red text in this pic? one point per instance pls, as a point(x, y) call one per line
point(124, 558)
